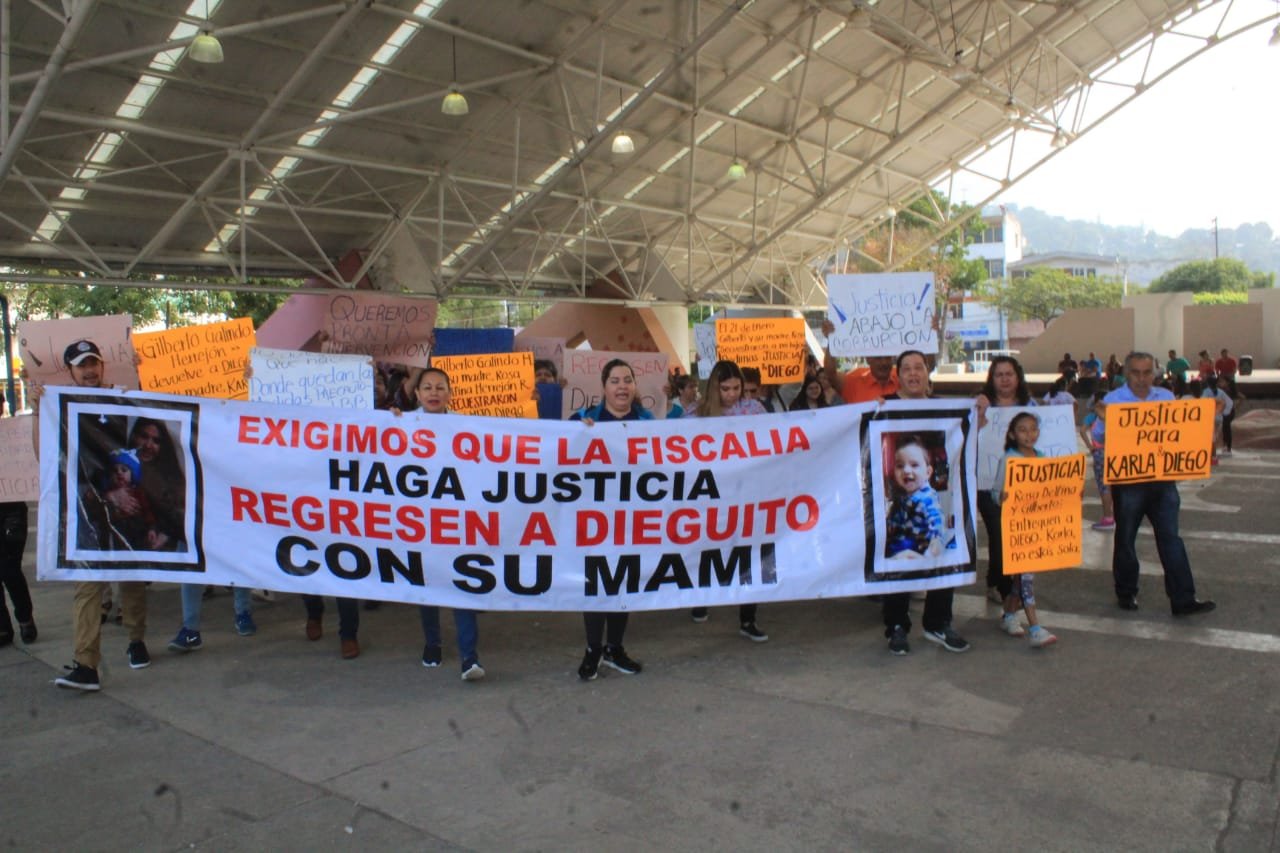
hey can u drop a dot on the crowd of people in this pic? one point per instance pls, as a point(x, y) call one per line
point(133, 499)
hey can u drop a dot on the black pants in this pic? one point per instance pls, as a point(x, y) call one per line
point(348, 614)
point(1226, 429)
point(937, 610)
point(596, 624)
point(13, 541)
point(990, 512)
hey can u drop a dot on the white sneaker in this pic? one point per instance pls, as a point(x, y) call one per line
point(1041, 638)
point(1009, 624)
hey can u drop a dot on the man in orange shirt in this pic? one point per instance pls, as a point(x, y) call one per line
point(863, 384)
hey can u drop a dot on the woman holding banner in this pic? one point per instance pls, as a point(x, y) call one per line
point(724, 397)
point(605, 630)
point(812, 395)
point(1006, 385)
point(434, 393)
point(913, 384)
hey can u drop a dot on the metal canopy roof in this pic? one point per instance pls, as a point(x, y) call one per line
point(322, 132)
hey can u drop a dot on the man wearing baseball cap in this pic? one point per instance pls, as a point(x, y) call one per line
point(84, 362)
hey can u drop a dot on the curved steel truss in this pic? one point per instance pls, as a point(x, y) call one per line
point(321, 132)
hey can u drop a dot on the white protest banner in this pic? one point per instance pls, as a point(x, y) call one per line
point(704, 337)
point(582, 369)
point(489, 513)
point(19, 477)
point(1057, 436)
point(310, 379)
point(881, 313)
point(42, 345)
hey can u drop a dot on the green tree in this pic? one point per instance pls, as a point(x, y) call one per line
point(1220, 275)
point(1047, 293)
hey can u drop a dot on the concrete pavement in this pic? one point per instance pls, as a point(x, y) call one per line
point(1137, 731)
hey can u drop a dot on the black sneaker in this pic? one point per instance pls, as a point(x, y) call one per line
point(616, 657)
point(948, 639)
point(753, 633)
point(1193, 607)
point(590, 667)
point(137, 654)
point(898, 644)
point(699, 614)
point(431, 656)
point(29, 632)
point(79, 677)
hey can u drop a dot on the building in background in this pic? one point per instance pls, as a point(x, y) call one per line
point(977, 325)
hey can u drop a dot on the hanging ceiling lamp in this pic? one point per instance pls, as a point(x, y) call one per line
point(454, 103)
point(205, 47)
point(737, 171)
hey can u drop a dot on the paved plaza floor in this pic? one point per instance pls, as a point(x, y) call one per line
point(1137, 731)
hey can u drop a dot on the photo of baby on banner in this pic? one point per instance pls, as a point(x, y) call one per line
point(132, 483)
point(922, 497)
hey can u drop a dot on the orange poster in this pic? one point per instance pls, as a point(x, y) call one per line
point(497, 384)
point(1170, 440)
point(197, 361)
point(1040, 516)
point(775, 345)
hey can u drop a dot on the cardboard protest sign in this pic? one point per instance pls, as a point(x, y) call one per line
point(43, 343)
point(497, 384)
point(383, 326)
point(19, 473)
point(487, 513)
point(704, 337)
point(1169, 440)
point(311, 379)
point(473, 341)
point(583, 386)
point(774, 345)
point(197, 361)
point(1040, 517)
point(543, 349)
point(1057, 437)
point(881, 313)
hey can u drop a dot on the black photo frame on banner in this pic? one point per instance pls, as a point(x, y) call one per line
point(130, 485)
point(920, 522)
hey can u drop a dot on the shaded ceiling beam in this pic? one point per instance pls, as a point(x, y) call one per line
point(81, 10)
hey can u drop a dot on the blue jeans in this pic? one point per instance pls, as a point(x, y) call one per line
point(468, 628)
point(1159, 503)
point(193, 601)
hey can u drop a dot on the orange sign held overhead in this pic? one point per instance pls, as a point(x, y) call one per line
point(497, 384)
point(197, 361)
point(774, 345)
point(1040, 517)
point(1170, 440)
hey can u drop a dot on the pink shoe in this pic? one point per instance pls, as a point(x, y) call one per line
point(1105, 523)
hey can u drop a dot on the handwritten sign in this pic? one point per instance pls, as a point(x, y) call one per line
point(197, 361)
point(41, 344)
point(582, 374)
point(1040, 519)
point(19, 471)
point(1057, 437)
point(311, 379)
point(774, 345)
point(881, 313)
point(704, 337)
point(497, 384)
point(543, 349)
point(1169, 440)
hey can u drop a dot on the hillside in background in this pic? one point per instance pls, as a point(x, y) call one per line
point(1147, 251)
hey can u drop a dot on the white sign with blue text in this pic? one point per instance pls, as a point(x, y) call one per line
point(881, 313)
